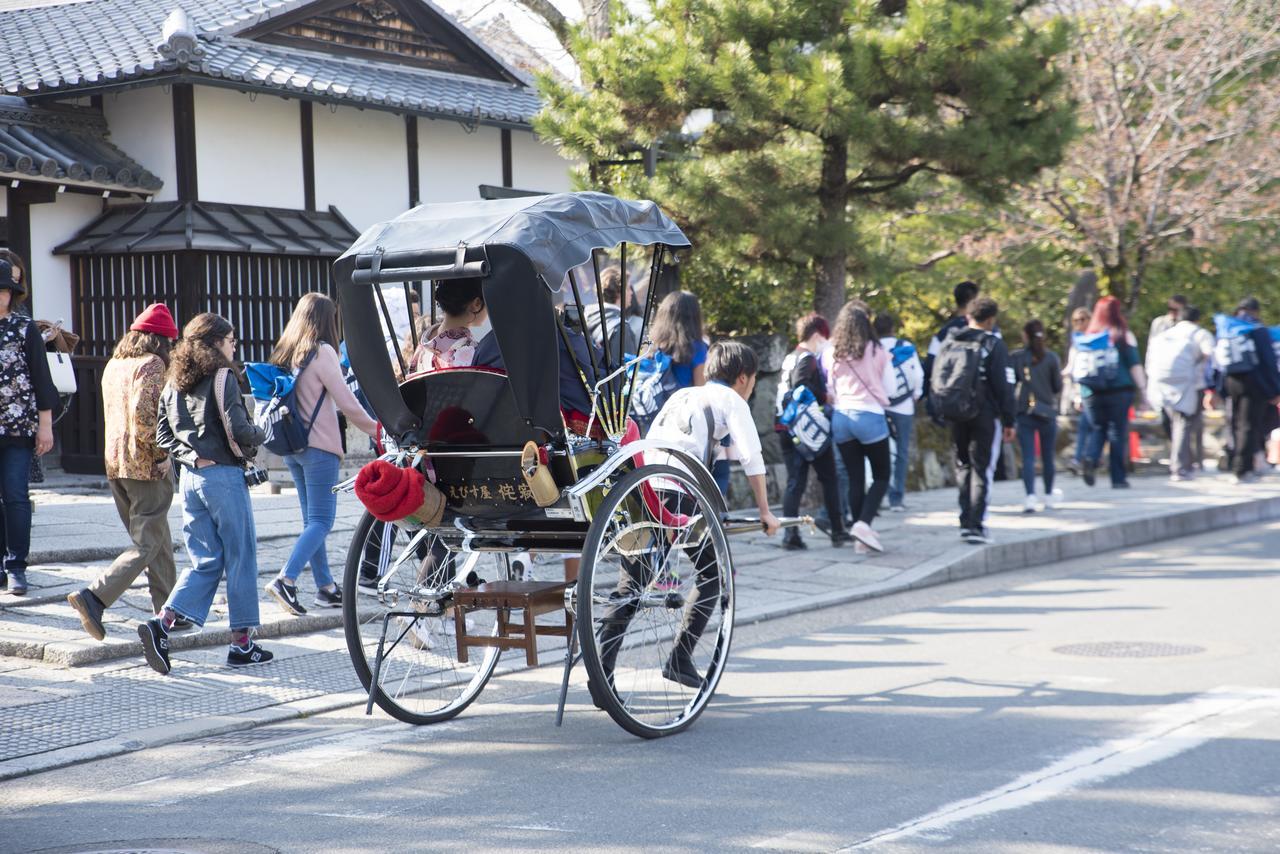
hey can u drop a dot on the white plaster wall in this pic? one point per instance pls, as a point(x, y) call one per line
point(537, 165)
point(140, 122)
point(452, 164)
point(248, 151)
point(51, 224)
point(362, 164)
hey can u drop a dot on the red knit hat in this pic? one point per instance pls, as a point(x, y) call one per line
point(156, 319)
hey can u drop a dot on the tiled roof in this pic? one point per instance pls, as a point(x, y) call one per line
point(64, 48)
point(67, 145)
point(212, 227)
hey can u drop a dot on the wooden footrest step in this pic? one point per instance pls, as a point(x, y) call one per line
point(532, 598)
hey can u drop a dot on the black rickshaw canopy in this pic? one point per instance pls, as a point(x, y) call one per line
point(523, 248)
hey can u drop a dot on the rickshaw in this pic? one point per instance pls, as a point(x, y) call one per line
point(428, 610)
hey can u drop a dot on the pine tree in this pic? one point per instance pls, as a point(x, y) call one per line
point(779, 121)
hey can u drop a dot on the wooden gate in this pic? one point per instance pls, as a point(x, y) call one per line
point(255, 292)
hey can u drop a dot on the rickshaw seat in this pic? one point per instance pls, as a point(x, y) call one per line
point(471, 409)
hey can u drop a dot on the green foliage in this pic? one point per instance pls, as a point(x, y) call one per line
point(811, 103)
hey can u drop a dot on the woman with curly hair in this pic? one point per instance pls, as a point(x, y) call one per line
point(201, 395)
point(855, 365)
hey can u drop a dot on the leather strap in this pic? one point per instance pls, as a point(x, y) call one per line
point(219, 396)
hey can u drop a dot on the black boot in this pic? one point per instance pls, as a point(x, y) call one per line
point(791, 541)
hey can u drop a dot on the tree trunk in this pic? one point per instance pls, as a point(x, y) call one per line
point(832, 259)
point(1115, 281)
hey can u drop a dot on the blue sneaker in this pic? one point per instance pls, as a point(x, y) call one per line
point(18, 582)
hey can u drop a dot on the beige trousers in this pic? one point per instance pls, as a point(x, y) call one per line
point(144, 508)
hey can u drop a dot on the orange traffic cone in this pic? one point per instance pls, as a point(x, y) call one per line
point(1135, 446)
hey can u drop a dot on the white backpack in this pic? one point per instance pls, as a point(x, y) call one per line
point(1173, 370)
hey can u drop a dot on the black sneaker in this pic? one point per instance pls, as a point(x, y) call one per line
point(286, 595)
point(90, 611)
point(979, 537)
point(181, 624)
point(367, 585)
point(680, 668)
point(841, 538)
point(155, 645)
point(328, 598)
point(794, 544)
point(1087, 470)
point(18, 582)
point(965, 532)
point(245, 656)
point(4, 580)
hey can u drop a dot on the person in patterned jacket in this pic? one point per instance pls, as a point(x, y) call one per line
point(138, 471)
point(27, 400)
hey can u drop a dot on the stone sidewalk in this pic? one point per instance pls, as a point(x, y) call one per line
point(78, 699)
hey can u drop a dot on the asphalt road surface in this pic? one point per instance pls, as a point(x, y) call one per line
point(1125, 703)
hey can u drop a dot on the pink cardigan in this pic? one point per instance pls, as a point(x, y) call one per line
point(324, 373)
point(858, 385)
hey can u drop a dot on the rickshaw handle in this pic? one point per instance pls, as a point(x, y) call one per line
point(739, 525)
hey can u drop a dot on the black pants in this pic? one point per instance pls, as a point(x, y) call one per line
point(824, 465)
point(1248, 421)
point(973, 441)
point(864, 503)
point(636, 575)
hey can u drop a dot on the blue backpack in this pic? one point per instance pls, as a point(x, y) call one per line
point(806, 422)
point(655, 382)
point(1096, 364)
point(276, 391)
point(1235, 350)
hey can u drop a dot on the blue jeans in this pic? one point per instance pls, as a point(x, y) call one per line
point(217, 527)
point(902, 426)
point(15, 532)
point(1109, 412)
point(1030, 426)
point(1084, 429)
point(315, 472)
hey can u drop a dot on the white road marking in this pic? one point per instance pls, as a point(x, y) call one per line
point(1170, 731)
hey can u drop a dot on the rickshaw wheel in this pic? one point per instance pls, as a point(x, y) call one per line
point(420, 680)
point(655, 567)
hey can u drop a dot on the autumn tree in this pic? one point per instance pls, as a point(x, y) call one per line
point(779, 121)
point(1179, 107)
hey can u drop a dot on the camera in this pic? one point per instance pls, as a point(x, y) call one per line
point(254, 476)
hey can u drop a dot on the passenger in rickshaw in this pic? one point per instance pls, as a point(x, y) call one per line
point(451, 342)
point(696, 419)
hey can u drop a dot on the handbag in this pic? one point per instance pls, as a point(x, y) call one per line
point(60, 371)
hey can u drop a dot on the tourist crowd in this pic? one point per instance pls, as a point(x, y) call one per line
point(845, 409)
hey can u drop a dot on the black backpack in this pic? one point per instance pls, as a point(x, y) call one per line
point(958, 375)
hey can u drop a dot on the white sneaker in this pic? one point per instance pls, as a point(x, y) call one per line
point(860, 549)
point(1029, 504)
point(862, 532)
point(1053, 500)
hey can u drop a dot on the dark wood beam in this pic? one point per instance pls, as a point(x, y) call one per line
point(308, 156)
point(411, 143)
point(21, 198)
point(184, 141)
point(507, 180)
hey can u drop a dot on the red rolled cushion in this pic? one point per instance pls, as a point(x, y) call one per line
point(389, 492)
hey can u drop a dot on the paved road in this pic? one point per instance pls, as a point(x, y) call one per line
point(1021, 712)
